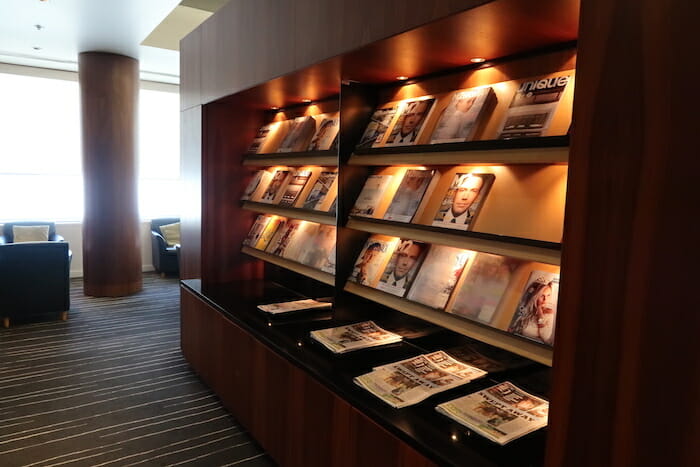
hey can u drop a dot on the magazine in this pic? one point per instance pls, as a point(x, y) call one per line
point(483, 286)
point(318, 247)
point(296, 184)
point(329, 263)
point(533, 106)
point(370, 196)
point(279, 180)
point(416, 185)
point(411, 121)
point(268, 232)
point(463, 201)
point(373, 259)
point(300, 133)
point(256, 230)
point(326, 133)
point(283, 237)
point(378, 125)
point(354, 337)
point(415, 379)
point(259, 180)
point(300, 239)
point(501, 413)
point(261, 136)
point(320, 190)
point(536, 312)
point(438, 275)
point(402, 267)
point(487, 357)
point(296, 305)
point(462, 116)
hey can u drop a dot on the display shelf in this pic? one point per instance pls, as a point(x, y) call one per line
point(542, 150)
point(532, 350)
point(295, 213)
point(534, 250)
point(322, 158)
point(299, 268)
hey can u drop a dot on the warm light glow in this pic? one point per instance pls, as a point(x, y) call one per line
point(275, 108)
point(402, 78)
point(454, 437)
point(477, 60)
point(306, 101)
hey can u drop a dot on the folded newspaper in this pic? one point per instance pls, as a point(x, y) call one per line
point(501, 413)
point(415, 379)
point(355, 336)
point(296, 305)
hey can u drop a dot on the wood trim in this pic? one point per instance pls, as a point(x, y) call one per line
point(294, 213)
point(291, 265)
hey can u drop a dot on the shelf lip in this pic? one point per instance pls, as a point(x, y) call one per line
point(524, 248)
point(327, 158)
point(299, 268)
point(480, 145)
point(529, 349)
point(295, 213)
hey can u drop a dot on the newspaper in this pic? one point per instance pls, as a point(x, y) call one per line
point(501, 413)
point(355, 336)
point(415, 379)
point(296, 305)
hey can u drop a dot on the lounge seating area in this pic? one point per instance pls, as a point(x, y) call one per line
point(165, 245)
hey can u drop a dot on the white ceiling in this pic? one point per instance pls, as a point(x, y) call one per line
point(69, 27)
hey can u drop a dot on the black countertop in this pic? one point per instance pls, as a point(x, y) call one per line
point(420, 426)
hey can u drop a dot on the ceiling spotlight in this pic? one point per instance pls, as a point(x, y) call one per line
point(477, 60)
point(274, 108)
point(306, 101)
point(402, 78)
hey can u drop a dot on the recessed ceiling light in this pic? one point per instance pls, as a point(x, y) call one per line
point(274, 108)
point(402, 78)
point(477, 60)
point(306, 101)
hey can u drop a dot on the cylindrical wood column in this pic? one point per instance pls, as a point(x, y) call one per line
point(109, 88)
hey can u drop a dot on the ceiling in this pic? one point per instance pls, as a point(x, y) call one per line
point(51, 33)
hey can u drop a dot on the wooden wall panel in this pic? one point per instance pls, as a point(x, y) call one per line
point(191, 70)
point(627, 359)
point(191, 209)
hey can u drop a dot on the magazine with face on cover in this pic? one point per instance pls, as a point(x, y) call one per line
point(373, 259)
point(377, 127)
point(501, 413)
point(462, 116)
point(277, 184)
point(438, 275)
point(321, 190)
point(410, 124)
point(297, 182)
point(415, 187)
point(371, 195)
point(463, 200)
point(402, 268)
point(536, 313)
point(326, 132)
point(354, 337)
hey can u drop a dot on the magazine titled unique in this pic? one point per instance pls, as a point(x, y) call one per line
point(415, 379)
point(536, 313)
point(320, 190)
point(318, 247)
point(533, 106)
point(378, 125)
point(373, 259)
point(354, 337)
point(296, 305)
point(438, 275)
point(463, 201)
point(402, 267)
point(416, 185)
point(279, 180)
point(296, 184)
point(370, 196)
point(462, 116)
point(300, 133)
point(326, 132)
point(256, 230)
point(501, 413)
point(411, 121)
point(260, 179)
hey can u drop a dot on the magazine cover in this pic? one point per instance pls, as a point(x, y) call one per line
point(501, 413)
point(319, 246)
point(415, 379)
point(487, 357)
point(268, 232)
point(300, 240)
point(256, 230)
point(260, 179)
point(533, 106)
point(378, 125)
point(536, 313)
point(463, 201)
point(411, 121)
point(355, 336)
point(483, 286)
point(372, 260)
point(282, 237)
point(261, 136)
point(462, 116)
point(297, 182)
point(402, 267)
point(300, 133)
point(370, 196)
point(320, 190)
point(415, 186)
point(438, 275)
point(326, 133)
point(296, 305)
point(329, 263)
point(279, 180)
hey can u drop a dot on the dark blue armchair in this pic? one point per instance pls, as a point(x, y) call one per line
point(165, 258)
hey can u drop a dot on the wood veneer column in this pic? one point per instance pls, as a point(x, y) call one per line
point(109, 89)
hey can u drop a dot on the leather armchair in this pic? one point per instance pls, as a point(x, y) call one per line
point(165, 258)
point(34, 280)
point(8, 237)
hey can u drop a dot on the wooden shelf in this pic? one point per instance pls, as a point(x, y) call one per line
point(533, 250)
point(322, 158)
point(545, 150)
point(291, 265)
point(295, 213)
point(532, 350)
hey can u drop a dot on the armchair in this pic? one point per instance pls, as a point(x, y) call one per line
point(165, 257)
point(34, 280)
point(8, 236)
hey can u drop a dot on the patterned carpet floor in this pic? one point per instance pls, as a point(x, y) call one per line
point(110, 387)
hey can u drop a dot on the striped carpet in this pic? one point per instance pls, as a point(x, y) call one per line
point(110, 387)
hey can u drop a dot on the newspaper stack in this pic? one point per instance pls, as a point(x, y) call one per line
point(355, 336)
point(501, 413)
point(415, 379)
point(297, 305)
